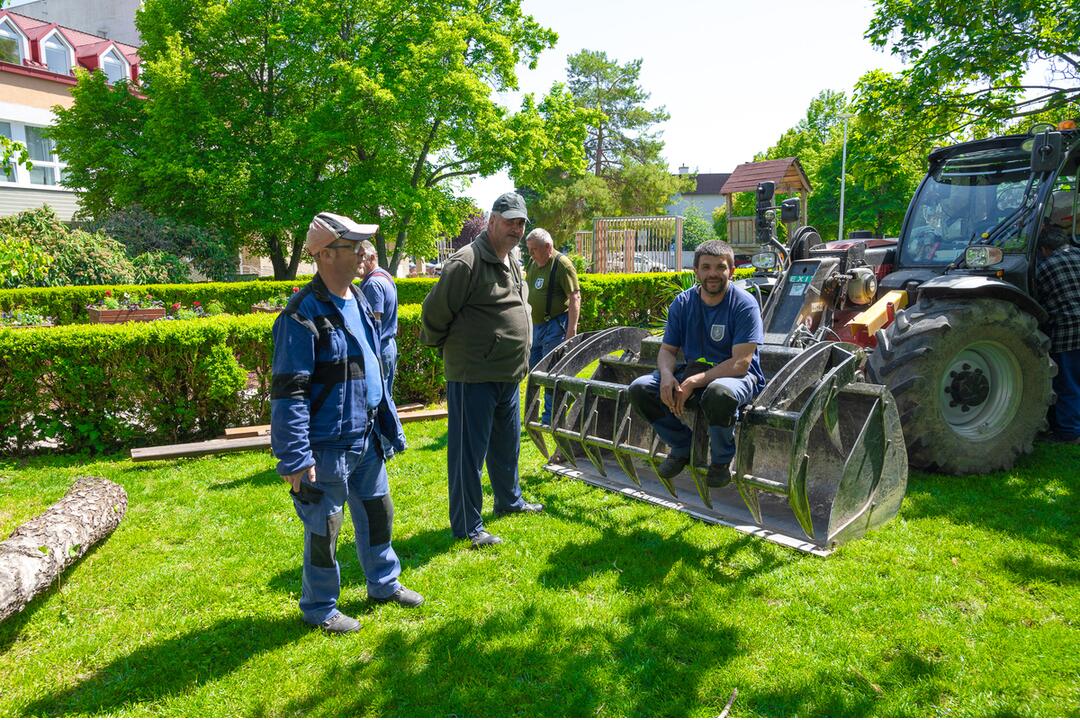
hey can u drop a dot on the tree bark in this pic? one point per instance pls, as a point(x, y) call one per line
point(40, 549)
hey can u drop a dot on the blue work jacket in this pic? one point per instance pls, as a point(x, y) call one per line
point(310, 370)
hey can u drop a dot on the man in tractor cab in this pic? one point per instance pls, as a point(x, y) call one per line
point(1058, 280)
point(718, 327)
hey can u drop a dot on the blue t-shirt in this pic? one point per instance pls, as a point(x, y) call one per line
point(381, 293)
point(708, 333)
point(361, 343)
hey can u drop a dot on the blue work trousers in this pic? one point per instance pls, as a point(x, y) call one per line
point(723, 396)
point(1065, 416)
point(359, 479)
point(389, 363)
point(484, 423)
point(546, 337)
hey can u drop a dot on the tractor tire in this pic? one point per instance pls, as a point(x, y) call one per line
point(972, 381)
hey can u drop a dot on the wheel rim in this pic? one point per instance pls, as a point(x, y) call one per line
point(980, 390)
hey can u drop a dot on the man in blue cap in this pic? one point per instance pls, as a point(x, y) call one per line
point(478, 316)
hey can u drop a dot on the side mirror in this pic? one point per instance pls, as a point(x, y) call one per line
point(1046, 152)
point(763, 260)
point(789, 210)
point(765, 192)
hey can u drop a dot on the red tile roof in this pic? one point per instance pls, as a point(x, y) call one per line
point(85, 44)
point(787, 173)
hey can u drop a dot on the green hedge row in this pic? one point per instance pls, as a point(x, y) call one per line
point(67, 305)
point(102, 387)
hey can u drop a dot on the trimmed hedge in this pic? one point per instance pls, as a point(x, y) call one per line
point(67, 305)
point(103, 387)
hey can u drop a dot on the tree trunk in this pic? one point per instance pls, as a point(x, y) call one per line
point(40, 549)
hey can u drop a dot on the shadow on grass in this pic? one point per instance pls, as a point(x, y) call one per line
point(533, 662)
point(1036, 500)
point(414, 552)
point(264, 478)
point(437, 444)
point(914, 674)
point(174, 666)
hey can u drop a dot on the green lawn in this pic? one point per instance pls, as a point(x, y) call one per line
point(966, 604)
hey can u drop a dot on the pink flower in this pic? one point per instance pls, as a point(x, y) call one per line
point(176, 306)
point(196, 304)
point(296, 289)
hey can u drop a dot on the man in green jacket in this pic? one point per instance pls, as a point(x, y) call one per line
point(479, 318)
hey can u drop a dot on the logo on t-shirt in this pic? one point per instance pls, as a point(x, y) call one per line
point(716, 332)
point(539, 283)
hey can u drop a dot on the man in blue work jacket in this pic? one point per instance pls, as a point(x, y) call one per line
point(333, 424)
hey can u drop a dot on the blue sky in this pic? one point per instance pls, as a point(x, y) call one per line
point(733, 75)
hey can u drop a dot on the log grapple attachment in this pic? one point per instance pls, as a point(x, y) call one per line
point(820, 457)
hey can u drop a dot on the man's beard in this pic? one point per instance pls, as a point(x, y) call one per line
point(714, 286)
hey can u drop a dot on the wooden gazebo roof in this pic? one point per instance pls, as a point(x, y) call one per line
point(787, 173)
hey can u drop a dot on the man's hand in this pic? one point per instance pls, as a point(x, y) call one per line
point(570, 332)
point(668, 386)
point(298, 476)
point(686, 389)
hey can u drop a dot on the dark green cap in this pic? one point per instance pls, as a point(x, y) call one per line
point(511, 206)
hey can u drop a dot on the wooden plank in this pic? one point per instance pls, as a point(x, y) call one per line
point(196, 449)
point(409, 407)
point(421, 415)
point(252, 437)
point(247, 431)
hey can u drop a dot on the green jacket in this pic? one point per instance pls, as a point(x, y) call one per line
point(478, 316)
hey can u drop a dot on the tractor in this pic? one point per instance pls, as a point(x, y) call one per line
point(924, 350)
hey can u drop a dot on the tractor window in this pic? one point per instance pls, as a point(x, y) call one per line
point(1063, 206)
point(963, 199)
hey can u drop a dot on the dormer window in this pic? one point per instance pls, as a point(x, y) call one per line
point(11, 43)
point(57, 54)
point(114, 68)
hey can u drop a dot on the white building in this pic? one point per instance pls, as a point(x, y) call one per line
point(37, 64)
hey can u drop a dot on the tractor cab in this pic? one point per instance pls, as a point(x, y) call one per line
point(980, 208)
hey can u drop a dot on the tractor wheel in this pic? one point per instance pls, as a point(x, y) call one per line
point(972, 382)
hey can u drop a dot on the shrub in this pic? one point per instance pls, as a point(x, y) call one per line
point(22, 263)
point(79, 257)
point(160, 267)
point(211, 252)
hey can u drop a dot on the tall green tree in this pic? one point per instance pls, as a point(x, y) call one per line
point(260, 113)
point(968, 63)
point(623, 131)
point(880, 178)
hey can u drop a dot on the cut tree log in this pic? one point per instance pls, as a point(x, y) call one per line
point(42, 548)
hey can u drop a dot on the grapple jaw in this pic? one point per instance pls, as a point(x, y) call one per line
point(820, 457)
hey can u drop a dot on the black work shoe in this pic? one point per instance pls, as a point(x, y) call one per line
point(339, 624)
point(718, 476)
point(524, 508)
point(402, 596)
point(671, 466)
point(483, 538)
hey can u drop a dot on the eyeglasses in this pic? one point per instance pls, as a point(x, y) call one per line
point(355, 247)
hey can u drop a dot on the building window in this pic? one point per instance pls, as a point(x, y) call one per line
point(46, 170)
point(10, 43)
point(7, 174)
point(57, 56)
point(112, 66)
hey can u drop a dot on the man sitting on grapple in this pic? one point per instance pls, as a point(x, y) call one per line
point(718, 327)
